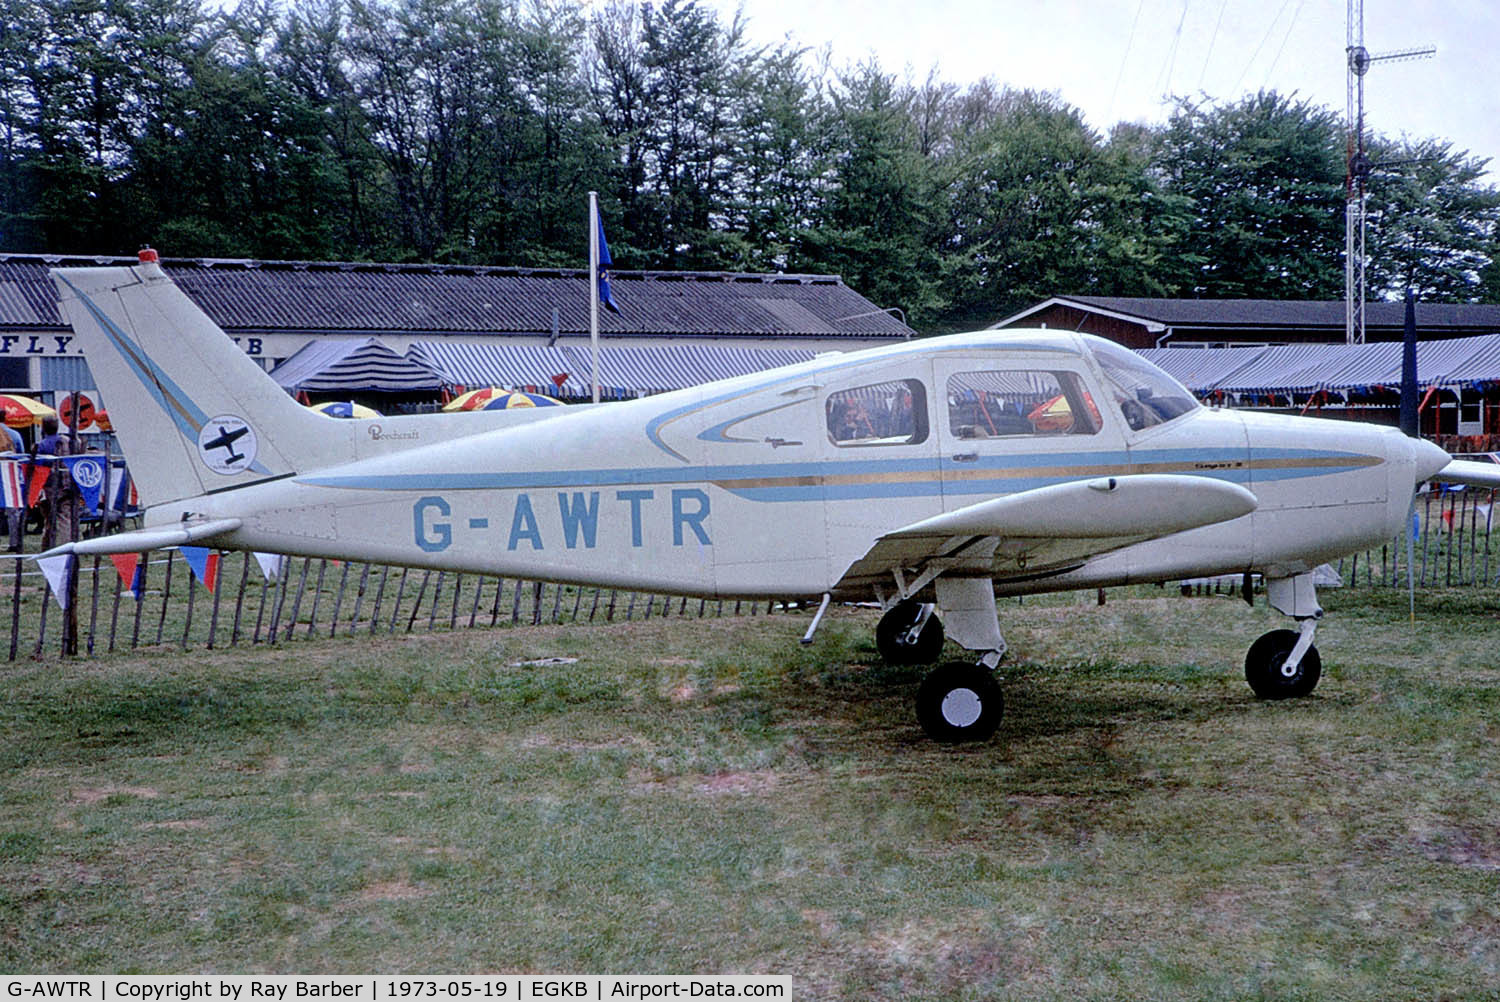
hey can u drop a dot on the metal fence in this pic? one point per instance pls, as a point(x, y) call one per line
point(307, 598)
point(1453, 546)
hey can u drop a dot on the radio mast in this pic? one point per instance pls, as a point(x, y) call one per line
point(1359, 167)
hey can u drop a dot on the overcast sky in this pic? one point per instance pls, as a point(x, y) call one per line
point(1115, 59)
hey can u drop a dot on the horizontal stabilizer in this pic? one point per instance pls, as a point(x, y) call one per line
point(142, 540)
point(1146, 505)
point(1463, 471)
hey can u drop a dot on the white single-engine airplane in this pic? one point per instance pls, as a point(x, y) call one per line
point(928, 476)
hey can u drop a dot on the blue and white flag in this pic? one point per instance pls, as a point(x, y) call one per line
point(605, 261)
point(124, 501)
point(88, 473)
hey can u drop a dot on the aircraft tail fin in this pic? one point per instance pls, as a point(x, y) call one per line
point(198, 415)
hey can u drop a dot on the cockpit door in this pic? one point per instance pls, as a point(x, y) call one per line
point(1013, 422)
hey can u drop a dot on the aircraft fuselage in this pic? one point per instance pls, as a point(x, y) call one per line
point(776, 484)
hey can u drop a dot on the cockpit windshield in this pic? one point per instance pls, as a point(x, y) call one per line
point(1145, 394)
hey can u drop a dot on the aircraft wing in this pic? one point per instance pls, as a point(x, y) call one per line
point(1052, 529)
point(1463, 471)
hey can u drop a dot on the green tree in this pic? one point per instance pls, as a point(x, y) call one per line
point(310, 57)
point(1432, 223)
point(776, 164)
point(1265, 180)
point(550, 153)
point(235, 142)
point(877, 222)
point(1038, 206)
point(67, 79)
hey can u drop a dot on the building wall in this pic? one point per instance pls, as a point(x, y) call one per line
point(1068, 318)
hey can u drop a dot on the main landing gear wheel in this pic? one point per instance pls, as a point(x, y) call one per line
point(958, 702)
point(1265, 667)
point(898, 641)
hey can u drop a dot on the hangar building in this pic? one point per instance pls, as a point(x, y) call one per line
point(674, 328)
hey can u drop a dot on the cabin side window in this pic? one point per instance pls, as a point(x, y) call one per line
point(1008, 402)
point(890, 413)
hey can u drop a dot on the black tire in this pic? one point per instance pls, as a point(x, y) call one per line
point(1263, 667)
point(891, 631)
point(958, 702)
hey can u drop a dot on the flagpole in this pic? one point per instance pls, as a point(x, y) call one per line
point(594, 288)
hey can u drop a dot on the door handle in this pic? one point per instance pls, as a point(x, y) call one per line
point(966, 457)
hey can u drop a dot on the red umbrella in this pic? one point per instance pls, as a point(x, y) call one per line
point(23, 412)
point(492, 398)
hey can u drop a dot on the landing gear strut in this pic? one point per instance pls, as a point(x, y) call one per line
point(1273, 674)
point(1284, 664)
point(909, 634)
point(959, 700)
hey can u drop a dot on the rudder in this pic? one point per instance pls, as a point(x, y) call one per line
point(202, 415)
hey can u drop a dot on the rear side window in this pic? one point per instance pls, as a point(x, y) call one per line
point(1008, 402)
point(890, 413)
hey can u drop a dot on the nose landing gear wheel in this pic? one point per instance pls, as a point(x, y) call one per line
point(1265, 667)
point(897, 643)
point(958, 702)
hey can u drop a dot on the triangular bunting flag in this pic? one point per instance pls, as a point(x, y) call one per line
point(36, 481)
point(11, 485)
point(127, 565)
point(56, 571)
point(88, 473)
point(204, 562)
point(270, 565)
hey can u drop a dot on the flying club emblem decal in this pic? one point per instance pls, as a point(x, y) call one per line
point(227, 444)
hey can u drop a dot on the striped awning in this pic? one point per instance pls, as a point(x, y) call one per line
point(639, 371)
point(1308, 368)
point(623, 372)
point(346, 365)
point(511, 367)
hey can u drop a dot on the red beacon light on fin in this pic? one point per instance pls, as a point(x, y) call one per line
point(148, 256)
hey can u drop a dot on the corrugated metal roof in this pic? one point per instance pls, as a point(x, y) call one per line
point(337, 365)
point(302, 297)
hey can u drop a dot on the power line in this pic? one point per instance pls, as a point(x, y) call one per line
point(1121, 75)
point(1284, 39)
point(1202, 74)
point(1254, 55)
point(1176, 41)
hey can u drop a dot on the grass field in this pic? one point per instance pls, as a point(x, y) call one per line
point(707, 796)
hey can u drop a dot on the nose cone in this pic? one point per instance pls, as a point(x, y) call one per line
point(1427, 459)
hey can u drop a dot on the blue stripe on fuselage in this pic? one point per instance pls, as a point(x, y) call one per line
point(880, 479)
